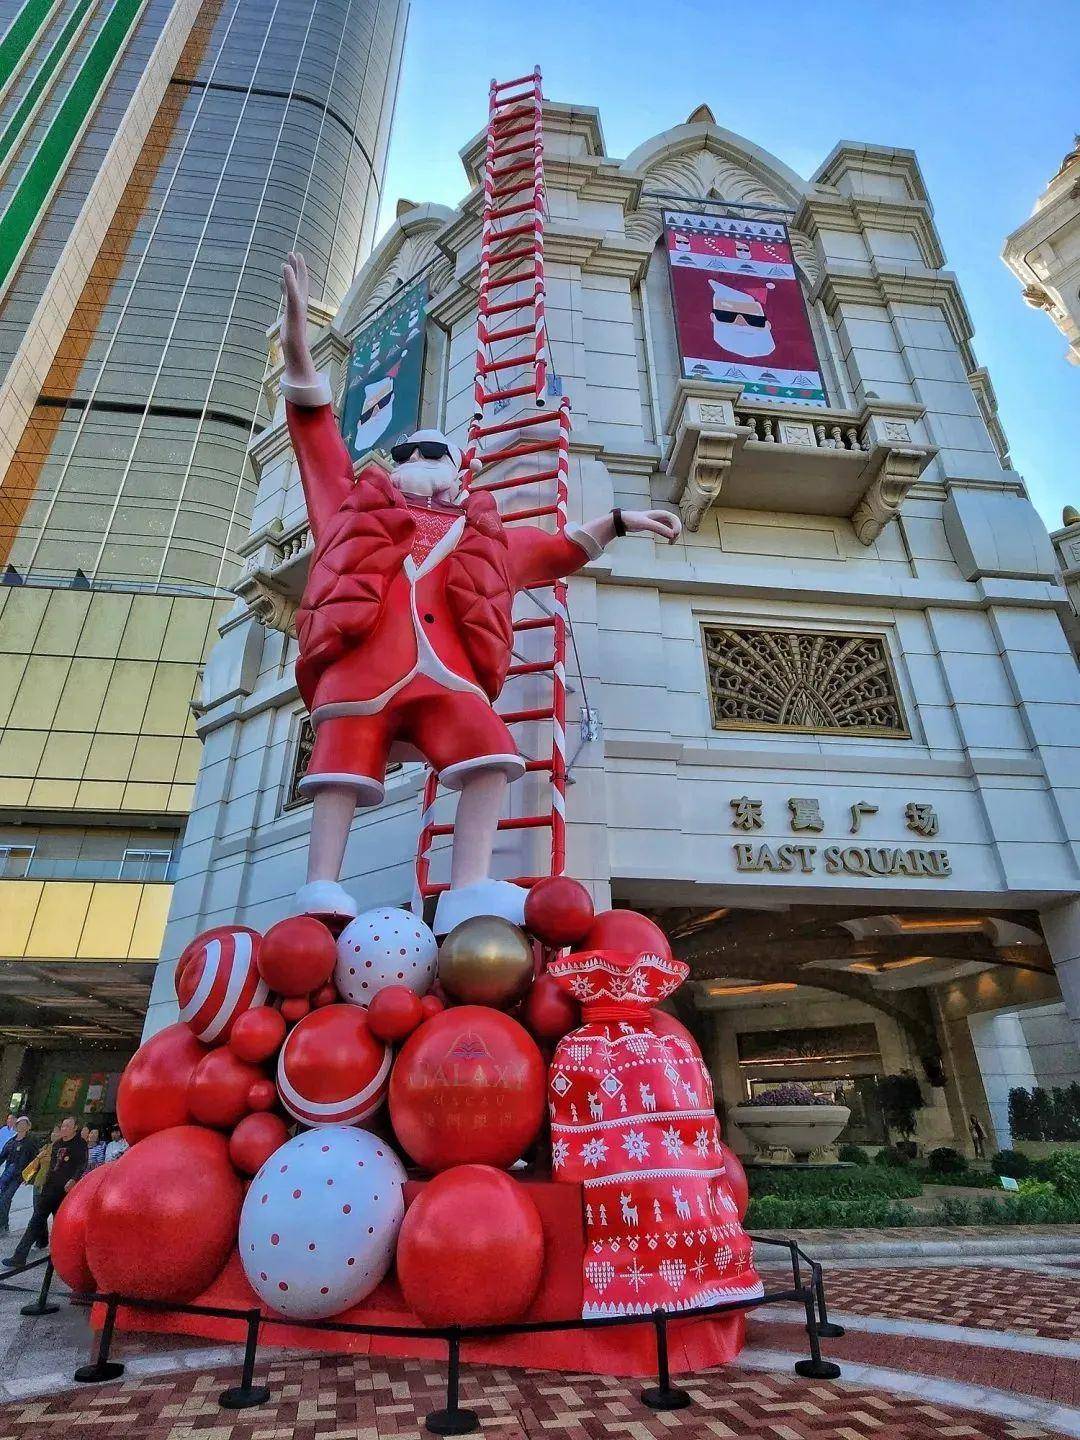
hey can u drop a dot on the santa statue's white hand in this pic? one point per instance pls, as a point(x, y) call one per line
point(655, 522)
point(299, 366)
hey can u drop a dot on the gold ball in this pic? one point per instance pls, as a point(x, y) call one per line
point(486, 961)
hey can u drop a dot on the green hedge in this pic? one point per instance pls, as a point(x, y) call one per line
point(970, 1179)
point(814, 1212)
point(862, 1183)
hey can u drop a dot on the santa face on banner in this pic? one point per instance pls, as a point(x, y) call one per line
point(376, 412)
point(739, 322)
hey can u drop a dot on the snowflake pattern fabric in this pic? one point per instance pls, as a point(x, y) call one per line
point(632, 1120)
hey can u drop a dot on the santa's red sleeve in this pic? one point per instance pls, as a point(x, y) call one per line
point(326, 468)
point(537, 557)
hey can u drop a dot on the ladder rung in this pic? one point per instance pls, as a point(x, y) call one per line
point(492, 397)
point(507, 210)
point(542, 417)
point(511, 233)
point(509, 362)
point(533, 514)
point(517, 111)
point(505, 306)
point(505, 135)
point(532, 766)
point(525, 881)
point(520, 717)
point(515, 482)
point(541, 622)
point(521, 278)
point(512, 452)
point(536, 667)
point(504, 257)
point(525, 822)
point(529, 79)
point(513, 150)
point(519, 167)
point(512, 332)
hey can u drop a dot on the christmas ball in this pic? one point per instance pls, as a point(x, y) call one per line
point(262, 1095)
point(254, 1140)
point(734, 1179)
point(219, 981)
point(320, 1222)
point(295, 1008)
point(153, 1091)
point(297, 955)
point(549, 1012)
point(384, 947)
point(431, 1005)
point(467, 1087)
point(471, 1249)
point(257, 1034)
point(665, 1024)
point(394, 1013)
point(627, 931)
point(486, 961)
point(163, 1222)
point(67, 1239)
point(558, 911)
point(331, 1069)
point(218, 1093)
point(325, 995)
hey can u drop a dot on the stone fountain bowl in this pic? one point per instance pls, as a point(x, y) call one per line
point(798, 1128)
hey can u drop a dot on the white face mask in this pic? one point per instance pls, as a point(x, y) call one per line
point(427, 479)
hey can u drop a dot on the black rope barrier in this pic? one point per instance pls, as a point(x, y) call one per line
point(453, 1419)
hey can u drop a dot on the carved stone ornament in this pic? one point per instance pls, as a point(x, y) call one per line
point(814, 681)
point(881, 501)
point(712, 461)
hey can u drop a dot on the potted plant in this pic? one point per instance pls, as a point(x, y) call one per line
point(901, 1098)
point(790, 1117)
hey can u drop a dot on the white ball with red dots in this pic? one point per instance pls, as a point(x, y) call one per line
point(320, 1222)
point(385, 947)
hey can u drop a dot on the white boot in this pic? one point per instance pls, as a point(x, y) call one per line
point(326, 900)
point(486, 897)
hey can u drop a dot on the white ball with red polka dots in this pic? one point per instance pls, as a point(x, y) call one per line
point(385, 947)
point(320, 1222)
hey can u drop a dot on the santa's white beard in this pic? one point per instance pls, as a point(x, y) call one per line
point(749, 341)
point(427, 479)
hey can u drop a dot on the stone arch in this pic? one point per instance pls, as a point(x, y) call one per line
point(409, 245)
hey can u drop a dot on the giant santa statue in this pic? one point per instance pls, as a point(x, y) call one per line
point(405, 630)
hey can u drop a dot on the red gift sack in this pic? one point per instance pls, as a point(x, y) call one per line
point(632, 1121)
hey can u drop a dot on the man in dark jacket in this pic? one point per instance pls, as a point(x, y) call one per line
point(66, 1163)
point(15, 1155)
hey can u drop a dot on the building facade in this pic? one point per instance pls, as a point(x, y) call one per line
point(156, 159)
point(1044, 252)
point(829, 739)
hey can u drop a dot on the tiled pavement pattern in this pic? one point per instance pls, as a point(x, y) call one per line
point(342, 1399)
point(983, 1297)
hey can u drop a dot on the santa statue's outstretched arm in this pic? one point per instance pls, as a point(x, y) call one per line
point(326, 468)
point(539, 557)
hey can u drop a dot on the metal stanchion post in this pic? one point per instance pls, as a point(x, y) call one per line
point(41, 1305)
point(453, 1420)
point(815, 1368)
point(824, 1325)
point(245, 1395)
point(103, 1368)
point(663, 1395)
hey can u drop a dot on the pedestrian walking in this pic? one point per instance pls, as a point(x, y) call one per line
point(15, 1156)
point(67, 1161)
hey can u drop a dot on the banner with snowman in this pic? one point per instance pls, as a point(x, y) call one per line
point(381, 403)
point(740, 316)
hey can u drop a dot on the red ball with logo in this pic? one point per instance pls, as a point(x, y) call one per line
point(297, 955)
point(467, 1087)
point(331, 1069)
point(153, 1091)
point(558, 911)
point(217, 979)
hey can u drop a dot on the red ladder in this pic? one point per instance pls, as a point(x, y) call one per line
point(510, 313)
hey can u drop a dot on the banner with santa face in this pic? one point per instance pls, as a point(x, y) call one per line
point(740, 316)
point(381, 403)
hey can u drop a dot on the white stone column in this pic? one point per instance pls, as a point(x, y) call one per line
point(1061, 927)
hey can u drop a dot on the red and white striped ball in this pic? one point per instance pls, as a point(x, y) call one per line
point(217, 980)
point(331, 1069)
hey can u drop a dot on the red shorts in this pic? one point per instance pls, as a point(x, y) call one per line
point(455, 731)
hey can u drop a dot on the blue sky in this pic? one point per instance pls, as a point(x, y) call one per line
point(981, 96)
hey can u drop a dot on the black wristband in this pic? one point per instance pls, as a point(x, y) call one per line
point(618, 522)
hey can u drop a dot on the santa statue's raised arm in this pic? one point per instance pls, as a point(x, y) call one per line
point(405, 630)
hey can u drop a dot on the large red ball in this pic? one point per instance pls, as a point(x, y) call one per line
point(164, 1220)
point(262, 1095)
point(558, 911)
point(257, 1034)
point(626, 931)
point(67, 1239)
point(394, 1012)
point(332, 1070)
point(471, 1249)
point(153, 1091)
point(549, 1012)
point(735, 1178)
point(297, 955)
point(218, 1093)
point(666, 1024)
point(217, 979)
point(254, 1140)
point(468, 1086)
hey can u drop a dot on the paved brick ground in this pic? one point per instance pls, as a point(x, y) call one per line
point(985, 1297)
point(337, 1399)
